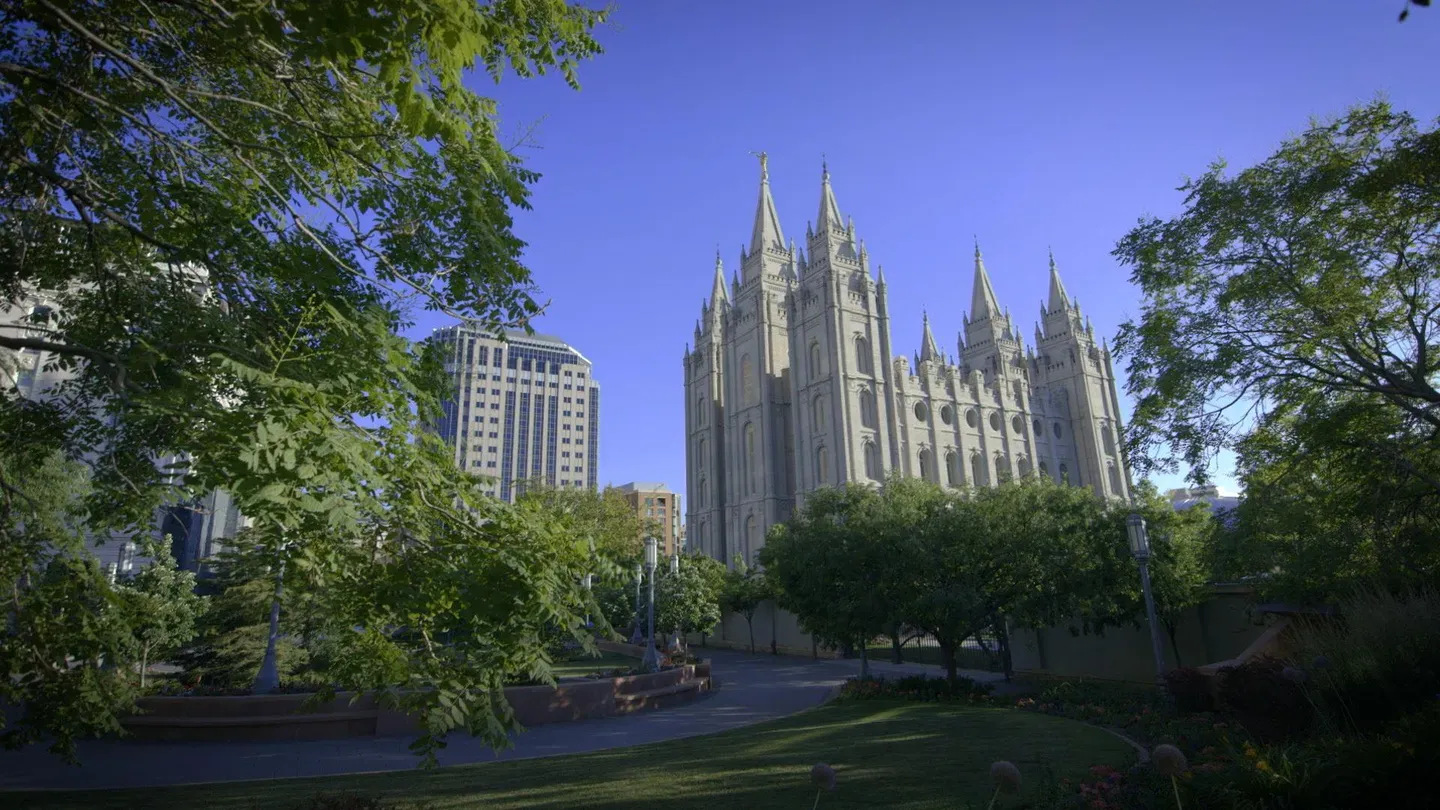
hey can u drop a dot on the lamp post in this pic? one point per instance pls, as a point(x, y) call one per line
point(1140, 548)
point(676, 643)
point(635, 635)
point(651, 661)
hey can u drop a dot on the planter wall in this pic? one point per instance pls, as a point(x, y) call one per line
point(279, 718)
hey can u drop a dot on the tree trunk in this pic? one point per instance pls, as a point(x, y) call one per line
point(895, 645)
point(952, 667)
point(144, 662)
point(1003, 638)
point(1174, 645)
point(750, 624)
point(864, 660)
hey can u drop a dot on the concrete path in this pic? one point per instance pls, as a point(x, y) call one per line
point(753, 688)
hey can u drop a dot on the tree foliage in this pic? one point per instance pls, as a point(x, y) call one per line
point(686, 599)
point(161, 607)
point(743, 591)
point(951, 565)
point(1291, 314)
point(1294, 287)
point(237, 209)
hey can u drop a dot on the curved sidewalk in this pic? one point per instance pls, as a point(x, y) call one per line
point(753, 688)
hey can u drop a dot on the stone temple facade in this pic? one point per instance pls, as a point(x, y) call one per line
point(791, 385)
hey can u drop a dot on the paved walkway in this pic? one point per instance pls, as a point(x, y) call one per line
point(753, 688)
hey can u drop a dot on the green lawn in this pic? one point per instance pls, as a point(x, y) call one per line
point(580, 665)
point(887, 754)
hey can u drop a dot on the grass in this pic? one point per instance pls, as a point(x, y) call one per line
point(580, 665)
point(887, 754)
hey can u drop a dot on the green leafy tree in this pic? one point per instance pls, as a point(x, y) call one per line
point(238, 209)
point(1290, 315)
point(67, 643)
point(686, 600)
point(1310, 277)
point(744, 590)
point(161, 607)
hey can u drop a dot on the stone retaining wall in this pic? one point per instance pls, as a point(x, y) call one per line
point(283, 718)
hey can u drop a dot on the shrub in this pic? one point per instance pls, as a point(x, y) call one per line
point(915, 687)
point(1268, 704)
point(1379, 661)
point(1190, 689)
point(350, 801)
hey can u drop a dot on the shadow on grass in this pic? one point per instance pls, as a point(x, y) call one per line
point(913, 755)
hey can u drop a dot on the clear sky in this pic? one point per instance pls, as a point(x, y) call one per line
point(1027, 124)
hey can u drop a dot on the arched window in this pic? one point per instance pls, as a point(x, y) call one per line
point(947, 414)
point(862, 356)
point(701, 462)
point(1115, 488)
point(1002, 470)
point(921, 412)
point(815, 368)
point(747, 380)
point(700, 492)
point(872, 461)
point(1024, 465)
point(822, 466)
point(977, 470)
point(752, 537)
point(927, 464)
point(748, 469)
point(952, 468)
point(1044, 469)
point(971, 418)
point(700, 412)
point(867, 408)
point(1064, 474)
point(817, 410)
point(1108, 439)
point(1039, 430)
point(995, 422)
point(1017, 425)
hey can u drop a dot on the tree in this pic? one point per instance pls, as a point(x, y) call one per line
point(1309, 279)
point(161, 607)
point(1291, 315)
point(685, 600)
point(832, 563)
point(745, 589)
point(237, 210)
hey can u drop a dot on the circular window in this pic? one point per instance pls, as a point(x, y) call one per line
point(971, 418)
point(1039, 429)
point(920, 411)
point(995, 421)
point(1057, 430)
point(947, 415)
point(1017, 424)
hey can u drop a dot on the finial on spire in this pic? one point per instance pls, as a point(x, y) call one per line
point(764, 165)
point(977, 246)
point(824, 165)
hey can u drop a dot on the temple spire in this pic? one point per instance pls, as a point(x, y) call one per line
point(1059, 299)
point(767, 233)
point(928, 348)
point(982, 299)
point(829, 209)
point(717, 292)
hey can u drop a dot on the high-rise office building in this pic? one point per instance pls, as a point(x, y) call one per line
point(656, 504)
point(524, 409)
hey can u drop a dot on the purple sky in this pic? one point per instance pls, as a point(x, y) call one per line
point(1028, 124)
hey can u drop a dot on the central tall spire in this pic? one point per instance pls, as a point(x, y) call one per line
point(1059, 298)
point(767, 233)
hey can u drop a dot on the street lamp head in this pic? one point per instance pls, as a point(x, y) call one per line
point(1139, 538)
point(650, 550)
point(675, 563)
